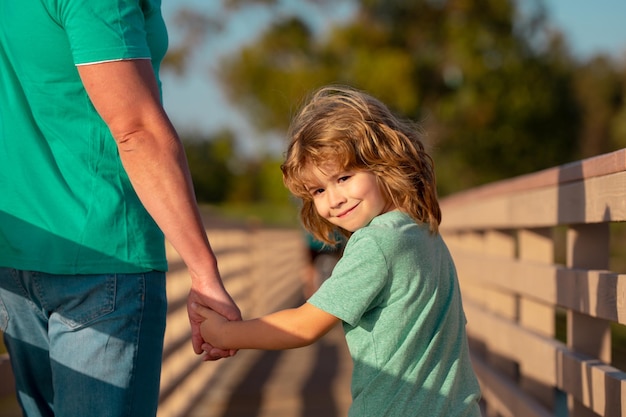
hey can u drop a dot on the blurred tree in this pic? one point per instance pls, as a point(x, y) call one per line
point(210, 163)
point(221, 176)
point(493, 105)
point(268, 78)
point(496, 89)
point(259, 181)
point(618, 123)
point(598, 87)
point(193, 27)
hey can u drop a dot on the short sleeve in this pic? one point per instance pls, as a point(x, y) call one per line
point(356, 283)
point(104, 30)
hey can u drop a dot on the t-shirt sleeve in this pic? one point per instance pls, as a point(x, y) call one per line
point(104, 30)
point(356, 282)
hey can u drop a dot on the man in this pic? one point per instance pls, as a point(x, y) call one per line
point(92, 175)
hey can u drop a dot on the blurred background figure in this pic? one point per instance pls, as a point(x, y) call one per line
point(322, 260)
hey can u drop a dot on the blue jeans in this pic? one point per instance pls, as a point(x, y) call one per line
point(84, 345)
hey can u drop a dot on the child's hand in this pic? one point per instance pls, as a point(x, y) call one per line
point(210, 328)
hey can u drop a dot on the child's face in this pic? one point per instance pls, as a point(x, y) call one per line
point(349, 199)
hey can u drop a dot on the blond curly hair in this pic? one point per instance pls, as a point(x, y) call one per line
point(358, 132)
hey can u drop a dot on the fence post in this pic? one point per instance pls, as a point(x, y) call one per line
point(501, 244)
point(537, 246)
point(588, 248)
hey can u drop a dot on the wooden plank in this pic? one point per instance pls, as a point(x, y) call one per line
point(588, 247)
point(500, 243)
point(503, 396)
point(597, 199)
point(595, 384)
point(536, 245)
point(534, 353)
point(600, 294)
point(537, 316)
point(598, 166)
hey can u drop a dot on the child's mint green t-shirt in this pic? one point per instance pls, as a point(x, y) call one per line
point(396, 291)
point(66, 203)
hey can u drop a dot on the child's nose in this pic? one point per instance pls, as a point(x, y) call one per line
point(335, 198)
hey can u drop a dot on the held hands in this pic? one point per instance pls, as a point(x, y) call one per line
point(210, 330)
point(218, 302)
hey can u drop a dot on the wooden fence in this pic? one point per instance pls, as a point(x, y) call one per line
point(538, 258)
point(261, 268)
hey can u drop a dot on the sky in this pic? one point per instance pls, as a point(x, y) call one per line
point(591, 26)
point(195, 102)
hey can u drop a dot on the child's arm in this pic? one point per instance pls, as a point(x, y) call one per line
point(283, 329)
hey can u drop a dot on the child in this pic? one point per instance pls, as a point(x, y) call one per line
point(362, 172)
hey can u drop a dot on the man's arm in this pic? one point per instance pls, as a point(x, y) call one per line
point(126, 95)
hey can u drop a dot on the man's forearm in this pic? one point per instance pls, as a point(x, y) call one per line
point(158, 171)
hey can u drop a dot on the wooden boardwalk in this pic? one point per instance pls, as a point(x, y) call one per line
point(263, 269)
point(313, 381)
point(542, 290)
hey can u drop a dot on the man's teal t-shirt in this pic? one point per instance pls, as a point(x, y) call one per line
point(66, 203)
point(396, 291)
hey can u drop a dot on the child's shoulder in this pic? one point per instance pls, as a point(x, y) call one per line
point(393, 220)
point(391, 227)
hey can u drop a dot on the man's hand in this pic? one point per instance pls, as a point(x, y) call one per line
point(210, 328)
point(217, 300)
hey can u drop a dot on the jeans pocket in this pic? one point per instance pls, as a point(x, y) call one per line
point(87, 298)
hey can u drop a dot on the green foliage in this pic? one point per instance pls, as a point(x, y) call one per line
point(209, 162)
point(495, 105)
point(220, 176)
point(259, 181)
point(600, 94)
point(267, 86)
point(195, 27)
point(272, 188)
point(267, 214)
point(496, 89)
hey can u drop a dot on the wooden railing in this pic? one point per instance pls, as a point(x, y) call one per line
point(539, 259)
point(263, 271)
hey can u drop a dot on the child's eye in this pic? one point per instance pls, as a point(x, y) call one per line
point(316, 191)
point(343, 178)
